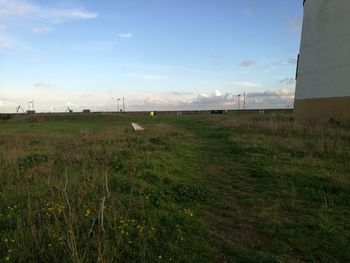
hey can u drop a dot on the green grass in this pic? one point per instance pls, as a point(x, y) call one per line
point(232, 188)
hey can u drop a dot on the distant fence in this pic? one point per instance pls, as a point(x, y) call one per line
point(185, 112)
point(203, 112)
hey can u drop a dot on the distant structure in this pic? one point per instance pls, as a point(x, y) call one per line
point(121, 108)
point(217, 112)
point(31, 109)
point(86, 111)
point(118, 100)
point(69, 110)
point(19, 109)
point(322, 81)
point(239, 96)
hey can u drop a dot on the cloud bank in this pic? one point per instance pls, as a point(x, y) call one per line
point(107, 101)
point(281, 98)
point(125, 35)
point(34, 18)
point(20, 9)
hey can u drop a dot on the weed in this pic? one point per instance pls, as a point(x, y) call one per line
point(32, 160)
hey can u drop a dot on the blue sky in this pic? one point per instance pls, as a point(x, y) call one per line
point(159, 54)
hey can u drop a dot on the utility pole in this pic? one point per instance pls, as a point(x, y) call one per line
point(118, 103)
point(123, 104)
point(239, 101)
point(244, 100)
point(31, 105)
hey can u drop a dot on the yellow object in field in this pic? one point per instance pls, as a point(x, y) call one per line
point(151, 114)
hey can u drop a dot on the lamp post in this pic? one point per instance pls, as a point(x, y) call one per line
point(244, 101)
point(239, 101)
point(31, 105)
point(118, 103)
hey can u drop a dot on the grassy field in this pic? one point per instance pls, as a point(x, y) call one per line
point(232, 188)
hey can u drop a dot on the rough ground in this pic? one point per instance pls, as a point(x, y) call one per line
point(233, 188)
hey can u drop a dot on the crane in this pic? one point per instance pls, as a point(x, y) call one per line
point(19, 108)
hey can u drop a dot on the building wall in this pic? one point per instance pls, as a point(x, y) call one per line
point(323, 77)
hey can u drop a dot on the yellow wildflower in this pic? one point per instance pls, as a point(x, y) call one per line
point(88, 211)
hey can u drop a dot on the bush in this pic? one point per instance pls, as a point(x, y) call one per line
point(32, 160)
point(5, 117)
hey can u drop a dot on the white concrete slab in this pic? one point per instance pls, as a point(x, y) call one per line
point(137, 127)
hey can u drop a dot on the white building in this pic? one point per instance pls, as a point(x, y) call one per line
point(323, 74)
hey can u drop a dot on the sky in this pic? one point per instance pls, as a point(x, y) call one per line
point(158, 54)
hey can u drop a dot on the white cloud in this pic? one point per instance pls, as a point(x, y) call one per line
point(272, 65)
point(16, 9)
point(161, 101)
point(57, 16)
point(9, 43)
point(42, 29)
point(248, 11)
point(246, 84)
point(48, 98)
point(181, 93)
point(75, 14)
point(145, 76)
point(292, 61)
point(6, 42)
point(43, 85)
point(295, 23)
point(204, 82)
point(217, 93)
point(283, 92)
point(287, 81)
point(189, 69)
point(282, 62)
point(247, 63)
point(6, 104)
point(32, 61)
point(125, 35)
point(280, 98)
point(25, 14)
point(93, 46)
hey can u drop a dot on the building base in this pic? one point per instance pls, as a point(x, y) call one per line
point(323, 110)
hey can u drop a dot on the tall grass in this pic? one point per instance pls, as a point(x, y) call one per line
point(86, 197)
point(242, 188)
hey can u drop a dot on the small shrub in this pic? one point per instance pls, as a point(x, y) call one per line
point(34, 142)
point(149, 176)
point(32, 160)
point(179, 193)
point(5, 117)
point(187, 193)
point(257, 170)
point(116, 165)
point(297, 153)
point(158, 141)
